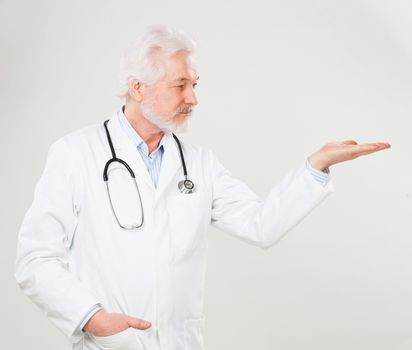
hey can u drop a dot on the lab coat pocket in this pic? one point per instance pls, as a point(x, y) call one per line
point(125, 340)
point(194, 334)
point(189, 215)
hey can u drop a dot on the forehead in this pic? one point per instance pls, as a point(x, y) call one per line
point(179, 66)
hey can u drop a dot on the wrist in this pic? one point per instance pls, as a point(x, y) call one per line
point(90, 324)
point(317, 161)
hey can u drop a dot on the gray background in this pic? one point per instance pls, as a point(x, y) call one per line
point(278, 79)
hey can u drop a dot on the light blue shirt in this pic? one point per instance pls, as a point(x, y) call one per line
point(322, 177)
point(153, 160)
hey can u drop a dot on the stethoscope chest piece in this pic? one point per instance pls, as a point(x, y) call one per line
point(186, 186)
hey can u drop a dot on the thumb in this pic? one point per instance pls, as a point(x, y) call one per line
point(138, 323)
point(349, 142)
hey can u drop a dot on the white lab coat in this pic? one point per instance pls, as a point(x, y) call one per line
point(72, 254)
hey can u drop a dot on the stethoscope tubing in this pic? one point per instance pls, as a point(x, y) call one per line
point(185, 186)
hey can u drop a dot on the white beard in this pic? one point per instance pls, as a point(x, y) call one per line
point(164, 123)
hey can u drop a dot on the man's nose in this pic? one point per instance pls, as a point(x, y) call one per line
point(191, 97)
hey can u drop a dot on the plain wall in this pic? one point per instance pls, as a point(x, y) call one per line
point(278, 79)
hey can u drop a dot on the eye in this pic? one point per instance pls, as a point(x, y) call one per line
point(194, 85)
point(181, 87)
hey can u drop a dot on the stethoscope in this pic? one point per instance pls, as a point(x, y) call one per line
point(185, 186)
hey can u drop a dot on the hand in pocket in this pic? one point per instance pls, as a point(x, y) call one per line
point(103, 324)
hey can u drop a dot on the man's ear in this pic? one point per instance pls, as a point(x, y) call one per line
point(135, 90)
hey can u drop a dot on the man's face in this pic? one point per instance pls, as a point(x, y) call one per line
point(169, 103)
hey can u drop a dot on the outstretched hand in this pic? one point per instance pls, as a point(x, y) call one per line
point(337, 152)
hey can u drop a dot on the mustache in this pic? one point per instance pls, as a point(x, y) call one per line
point(186, 109)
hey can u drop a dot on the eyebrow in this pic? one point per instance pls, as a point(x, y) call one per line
point(185, 79)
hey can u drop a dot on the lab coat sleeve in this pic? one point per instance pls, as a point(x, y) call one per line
point(42, 266)
point(237, 210)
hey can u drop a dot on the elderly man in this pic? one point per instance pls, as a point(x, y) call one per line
point(114, 246)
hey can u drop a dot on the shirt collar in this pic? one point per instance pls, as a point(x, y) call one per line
point(134, 136)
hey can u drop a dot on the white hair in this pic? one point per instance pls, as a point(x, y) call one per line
point(138, 62)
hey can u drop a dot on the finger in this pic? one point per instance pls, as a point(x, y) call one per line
point(138, 323)
point(383, 144)
point(372, 146)
point(362, 150)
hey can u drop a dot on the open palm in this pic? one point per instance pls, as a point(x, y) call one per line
point(337, 152)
